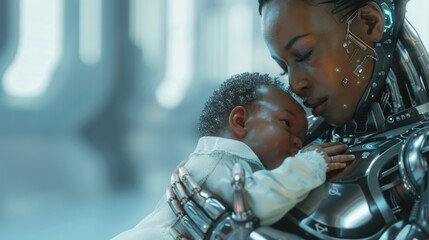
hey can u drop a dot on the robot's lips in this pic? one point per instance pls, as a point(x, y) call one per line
point(317, 105)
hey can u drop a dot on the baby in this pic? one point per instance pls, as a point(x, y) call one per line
point(251, 120)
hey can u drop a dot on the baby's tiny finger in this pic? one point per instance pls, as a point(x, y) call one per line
point(342, 158)
point(335, 166)
point(335, 149)
point(328, 144)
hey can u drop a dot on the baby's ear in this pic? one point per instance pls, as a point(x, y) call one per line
point(372, 20)
point(237, 119)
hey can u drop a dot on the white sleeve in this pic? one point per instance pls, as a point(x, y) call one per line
point(274, 192)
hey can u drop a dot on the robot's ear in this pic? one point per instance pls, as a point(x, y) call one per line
point(371, 18)
point(237, 120)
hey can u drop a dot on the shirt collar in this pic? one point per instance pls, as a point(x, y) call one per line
point(209, 145)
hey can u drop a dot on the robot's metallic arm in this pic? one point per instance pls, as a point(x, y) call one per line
point(418, 227)
point(413, 163)
point(206, 217)
point(422, 219)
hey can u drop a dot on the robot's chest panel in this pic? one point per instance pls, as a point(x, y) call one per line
point(338, 210)
point(362, 200)
point(351, 203)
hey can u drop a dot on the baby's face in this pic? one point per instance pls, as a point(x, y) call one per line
point(276, 126)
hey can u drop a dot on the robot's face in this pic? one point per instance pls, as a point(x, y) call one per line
point(327, 70)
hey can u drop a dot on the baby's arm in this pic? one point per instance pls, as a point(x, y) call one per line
point(333, 152)
point(274, 192)
point(271, 193)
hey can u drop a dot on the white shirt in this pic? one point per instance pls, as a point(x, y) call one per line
point(272, 193)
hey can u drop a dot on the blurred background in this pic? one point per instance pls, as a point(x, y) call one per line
point(99, 100)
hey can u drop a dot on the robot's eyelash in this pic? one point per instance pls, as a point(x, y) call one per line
point(285, 72)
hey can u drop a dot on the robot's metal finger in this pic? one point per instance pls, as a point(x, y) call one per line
point(192, 228)
point(174, 178)
point(238, 177)
point(180, 192)
point(201, 197)
point(174, 203)
point(214, 208)
point(198, 216)
point(178, 189)
point(176, 235)
point(191, 185)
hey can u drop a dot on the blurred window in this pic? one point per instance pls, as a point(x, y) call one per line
point(179, 53)
point(40, 48)
point(417, 15)
point(90, 31)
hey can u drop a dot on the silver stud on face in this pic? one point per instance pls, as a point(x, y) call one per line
point(345, 82)
point(346, 46)
point(337, 69)
point(345, 105)
point(358, 70)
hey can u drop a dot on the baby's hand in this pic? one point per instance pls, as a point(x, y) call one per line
point(331, 151)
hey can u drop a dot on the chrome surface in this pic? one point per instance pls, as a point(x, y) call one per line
point(242, 212)
point(412, 162)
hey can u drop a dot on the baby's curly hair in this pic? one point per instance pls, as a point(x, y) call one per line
point(239, 90)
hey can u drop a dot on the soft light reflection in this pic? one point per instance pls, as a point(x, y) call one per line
point(417, 15)
point(146, 28)
point(357, 214)
point(136, 22)
point(90, 31)
point(214, 40)
point(39, 48)
point(179, 53)
point(240, 38)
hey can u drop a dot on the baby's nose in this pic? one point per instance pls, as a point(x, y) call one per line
point(297, 142)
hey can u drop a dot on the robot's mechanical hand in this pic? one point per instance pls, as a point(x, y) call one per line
point(206, 217)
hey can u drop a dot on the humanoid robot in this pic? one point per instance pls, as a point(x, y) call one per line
point(383, 194)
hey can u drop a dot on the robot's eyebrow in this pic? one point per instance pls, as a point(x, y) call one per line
point(293, 41)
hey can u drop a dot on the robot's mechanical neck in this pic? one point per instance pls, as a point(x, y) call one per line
point(375, 121)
